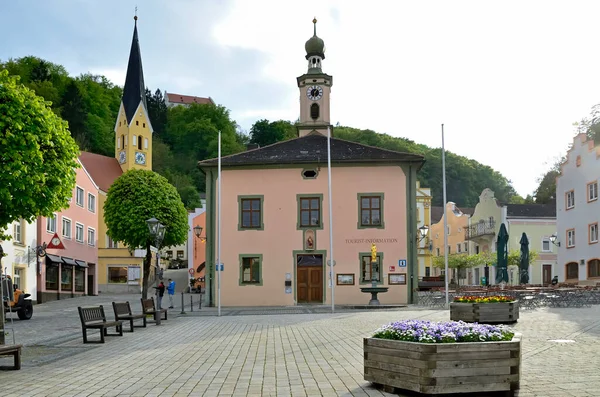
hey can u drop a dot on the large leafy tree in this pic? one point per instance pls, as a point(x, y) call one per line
point(135, 197)
point(38, 156)
point(265, 133)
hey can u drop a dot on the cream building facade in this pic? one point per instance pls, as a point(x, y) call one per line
point(424, 245)
point(578, 212)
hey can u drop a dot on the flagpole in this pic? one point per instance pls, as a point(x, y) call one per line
point(332, 262)
point(219, 232)
point(445, 217)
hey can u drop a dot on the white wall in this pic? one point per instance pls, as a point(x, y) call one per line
point(584, 213)
point(16, 258)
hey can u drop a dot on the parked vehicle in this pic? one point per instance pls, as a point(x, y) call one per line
point(24, 305)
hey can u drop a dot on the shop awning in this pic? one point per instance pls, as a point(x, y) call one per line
point(69, 261)
point(81, 263)
point(54, 258)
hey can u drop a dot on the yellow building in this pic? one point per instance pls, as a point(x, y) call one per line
point(120, 267)
point(424, 245)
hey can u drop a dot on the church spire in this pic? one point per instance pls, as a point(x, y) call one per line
point(134, 90)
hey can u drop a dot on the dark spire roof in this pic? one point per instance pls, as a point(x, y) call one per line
point(135, 89)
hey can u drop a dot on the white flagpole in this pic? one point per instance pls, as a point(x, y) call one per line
point(445, 217)
point(332, 262)
point(219, 232)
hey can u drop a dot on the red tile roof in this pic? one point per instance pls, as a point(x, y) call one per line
point(188, 99)
point(103, 169)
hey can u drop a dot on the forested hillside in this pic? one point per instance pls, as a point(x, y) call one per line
point(183, 136)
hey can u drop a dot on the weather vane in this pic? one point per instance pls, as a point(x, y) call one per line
point(135, 15)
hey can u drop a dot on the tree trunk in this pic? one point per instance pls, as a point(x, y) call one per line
point(2, 341)
point(146, 275)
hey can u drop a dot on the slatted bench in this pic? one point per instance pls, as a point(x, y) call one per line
point(123, 312)
point(94, 318)
point(148, 307)
point(12, 350)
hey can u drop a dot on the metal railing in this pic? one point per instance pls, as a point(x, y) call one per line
point(481, 228)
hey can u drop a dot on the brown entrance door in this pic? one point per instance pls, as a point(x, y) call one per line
point(546, 274)
point(90, 282)
point(309, 279)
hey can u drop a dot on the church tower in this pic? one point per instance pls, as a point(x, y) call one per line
point(133, 131)
point(315, 90)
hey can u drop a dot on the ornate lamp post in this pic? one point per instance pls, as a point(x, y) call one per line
point(157, 232)
point(553, 240)
point(423, 231)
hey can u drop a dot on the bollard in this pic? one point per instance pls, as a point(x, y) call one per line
point(182, 307)
point(200, 302)
point(191, 303)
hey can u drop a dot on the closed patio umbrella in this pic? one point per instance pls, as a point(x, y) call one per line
point(502, 256)
point(524, 262)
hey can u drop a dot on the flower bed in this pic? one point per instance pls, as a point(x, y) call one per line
point(485, 309)
point(442, 358)
point(484, 299)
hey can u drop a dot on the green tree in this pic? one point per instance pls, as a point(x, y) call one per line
point(546, 190)
point(157, 111)
point(39, 157)
point(136, 196)
point(265, 133)
point(75, 113)
point(37, 161)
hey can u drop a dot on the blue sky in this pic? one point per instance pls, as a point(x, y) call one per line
point(507, 78)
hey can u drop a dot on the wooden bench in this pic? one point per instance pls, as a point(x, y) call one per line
point(94, 318)
point(123, 312)
point(12, 350)
point(149, 308)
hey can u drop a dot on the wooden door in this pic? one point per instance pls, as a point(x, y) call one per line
point(309, 284)
point(546, 274)
point(90, 282)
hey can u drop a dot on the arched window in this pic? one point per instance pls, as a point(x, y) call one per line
point(139, 142)
point(314, 111)
point(572, 271)
point(594, 268)
point(122, 141)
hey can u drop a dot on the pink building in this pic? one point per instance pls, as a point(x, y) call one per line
point(69, 272)
point(275, 218)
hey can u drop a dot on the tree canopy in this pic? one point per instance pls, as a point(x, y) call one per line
point(467, 261)
point(38, 156)
point(137, 196)
point(265, 133)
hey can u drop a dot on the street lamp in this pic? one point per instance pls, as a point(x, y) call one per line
point(198, 232)
point(553, 240)
point(423, 230)
point(157, 232)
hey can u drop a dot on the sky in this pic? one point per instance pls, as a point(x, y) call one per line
point(506, 78)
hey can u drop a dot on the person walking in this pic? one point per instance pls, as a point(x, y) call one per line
point(160, 292)
point(171, 290)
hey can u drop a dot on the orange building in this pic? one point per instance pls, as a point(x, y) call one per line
point(458, 221)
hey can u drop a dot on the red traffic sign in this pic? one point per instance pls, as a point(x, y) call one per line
point(55, 243)
point(191, 272)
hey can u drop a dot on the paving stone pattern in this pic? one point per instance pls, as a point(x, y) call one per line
point(314, 354)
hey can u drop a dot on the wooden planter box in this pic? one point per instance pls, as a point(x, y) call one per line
point(485, 313)
point(443, 368)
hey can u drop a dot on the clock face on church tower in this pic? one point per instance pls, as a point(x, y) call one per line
point(314, 92)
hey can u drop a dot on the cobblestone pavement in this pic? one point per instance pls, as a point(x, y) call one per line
point(279, 355)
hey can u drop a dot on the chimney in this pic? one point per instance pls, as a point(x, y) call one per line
point(251, 146)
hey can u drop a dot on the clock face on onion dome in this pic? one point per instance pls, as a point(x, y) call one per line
point(140, 158)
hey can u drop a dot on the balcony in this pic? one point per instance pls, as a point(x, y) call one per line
point(481, 229)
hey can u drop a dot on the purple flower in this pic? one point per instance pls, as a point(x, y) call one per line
point(443, 332)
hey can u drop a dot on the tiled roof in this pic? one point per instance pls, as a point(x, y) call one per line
point(103, 169)
point(312, 148)
point(467, 211)
point(188, 99)
point(531, 210)
point(436, 214)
